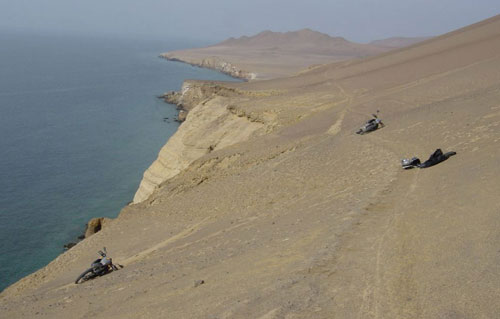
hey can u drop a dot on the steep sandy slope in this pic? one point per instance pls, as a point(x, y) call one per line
point(275, 54)
point(309, 220)
point(399, 42)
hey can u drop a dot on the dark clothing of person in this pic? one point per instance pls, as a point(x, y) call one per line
point(436, 158)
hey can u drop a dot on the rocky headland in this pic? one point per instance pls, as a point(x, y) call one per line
point(194, 92)
point(266, 204)
point(214, 63)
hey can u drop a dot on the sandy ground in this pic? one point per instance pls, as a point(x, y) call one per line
point(310, 220)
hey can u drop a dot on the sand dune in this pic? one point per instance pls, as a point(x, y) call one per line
point(304, 218)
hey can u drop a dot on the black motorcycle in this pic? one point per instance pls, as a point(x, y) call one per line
point(371, 125)
point(99, 267)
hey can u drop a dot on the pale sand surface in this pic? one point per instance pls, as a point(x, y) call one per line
point(306, 219)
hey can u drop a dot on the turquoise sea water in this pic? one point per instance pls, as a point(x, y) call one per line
point(79, 124)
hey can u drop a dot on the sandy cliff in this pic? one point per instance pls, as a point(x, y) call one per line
point(214, 121)
point(284, 212)
point(210, 125)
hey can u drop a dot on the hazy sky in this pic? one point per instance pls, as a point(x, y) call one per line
point(213, 20)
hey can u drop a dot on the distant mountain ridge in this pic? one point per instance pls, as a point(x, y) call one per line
point(303, 41)
point(273, 38)
point(315, 41)
point(271, 54)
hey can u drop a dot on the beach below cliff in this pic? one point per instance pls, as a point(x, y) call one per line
point(266, 204)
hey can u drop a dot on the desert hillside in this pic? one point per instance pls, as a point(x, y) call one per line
point(275, 54)
point(398, 42)
point(266, 204)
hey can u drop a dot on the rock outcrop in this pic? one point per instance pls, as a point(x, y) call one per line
point(194, 92)
point(95, 225)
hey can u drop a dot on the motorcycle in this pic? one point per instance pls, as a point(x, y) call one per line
point(371, 125)
point(99, 267)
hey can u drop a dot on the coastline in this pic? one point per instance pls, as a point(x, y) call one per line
point(59, 166)
point(64, 240)
point(214, 63)
point(209, 93)
point(192, 93)
point(211, 121)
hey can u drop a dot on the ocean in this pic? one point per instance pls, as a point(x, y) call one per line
point(79, 124)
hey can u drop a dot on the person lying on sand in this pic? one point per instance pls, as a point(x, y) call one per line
point(435, 158)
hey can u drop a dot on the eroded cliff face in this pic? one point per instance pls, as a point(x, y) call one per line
point(212, 124)
point(214, 63)
point(194, 92)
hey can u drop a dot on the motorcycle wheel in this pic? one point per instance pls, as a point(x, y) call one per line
point(86, 275)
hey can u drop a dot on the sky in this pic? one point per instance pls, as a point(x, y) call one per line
point(216, 20)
